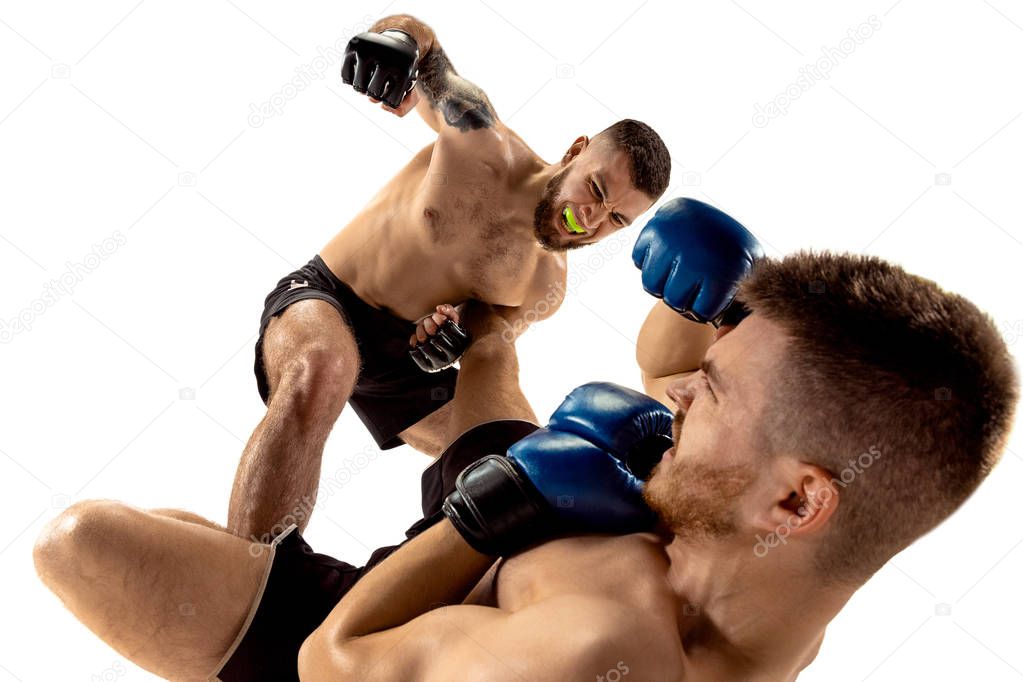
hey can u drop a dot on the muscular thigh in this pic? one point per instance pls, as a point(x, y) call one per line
point(170, 595)
point(309, 334)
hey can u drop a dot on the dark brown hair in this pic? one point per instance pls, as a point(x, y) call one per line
point(649, 161)
point(884, 362)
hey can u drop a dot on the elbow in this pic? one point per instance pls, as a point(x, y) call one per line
point(649, 363)
point(647, 381)
point(310, 658)
point(654, 387)
point(320, 658)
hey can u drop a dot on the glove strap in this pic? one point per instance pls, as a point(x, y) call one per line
point(496, 508)
point(403, 36)
point(734, 313)
point(644, 455)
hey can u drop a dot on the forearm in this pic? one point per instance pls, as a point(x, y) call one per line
point(436, 568)
point(461, 104)
point(420, 32)
point(669, 343)
point(488, 385)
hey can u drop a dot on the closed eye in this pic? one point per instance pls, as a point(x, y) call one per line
point(706, 382)
point(617, 218)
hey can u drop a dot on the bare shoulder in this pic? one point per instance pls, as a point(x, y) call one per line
point(486, 150)
point(616, 637)
point(551, 272)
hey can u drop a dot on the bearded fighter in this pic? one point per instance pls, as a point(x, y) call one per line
point(839, 411)
point(826, 416)
point(476, 215)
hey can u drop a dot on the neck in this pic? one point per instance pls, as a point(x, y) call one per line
point(529, 185)
point(534, 176)
point(772, 611)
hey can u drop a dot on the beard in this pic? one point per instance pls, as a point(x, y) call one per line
point(697, 501)
point(545, 217)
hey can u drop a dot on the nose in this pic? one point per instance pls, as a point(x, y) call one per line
point(680, 393)
point(593, 215)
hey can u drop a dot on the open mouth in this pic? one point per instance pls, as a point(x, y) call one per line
point(569, 222)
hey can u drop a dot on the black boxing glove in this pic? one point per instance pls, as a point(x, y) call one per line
point(443, 349)
point(381, 65)
point(571, 478)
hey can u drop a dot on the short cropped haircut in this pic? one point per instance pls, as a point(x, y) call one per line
point(881, 361)
point(649, 161)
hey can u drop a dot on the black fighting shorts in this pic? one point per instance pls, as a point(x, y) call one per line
point(302, 587)
point(392, 393)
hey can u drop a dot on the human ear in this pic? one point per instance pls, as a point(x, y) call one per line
point(803, 502)
point(573, 151)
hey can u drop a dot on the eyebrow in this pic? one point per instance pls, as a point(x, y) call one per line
point(712, 372)
point(603, 188)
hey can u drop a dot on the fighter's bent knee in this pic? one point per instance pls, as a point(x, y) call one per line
point(68, 542)
point(318, 376)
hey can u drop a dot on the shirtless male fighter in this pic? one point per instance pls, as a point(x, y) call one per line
point(476, 215)
point(852, 409)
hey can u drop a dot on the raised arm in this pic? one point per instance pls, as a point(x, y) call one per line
point(669, 346)
point(445, 100)
point(693, 257)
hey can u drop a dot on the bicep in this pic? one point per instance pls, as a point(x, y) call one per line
point(545, 294)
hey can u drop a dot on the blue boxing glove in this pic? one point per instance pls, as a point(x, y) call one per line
point(693, 257)
point(582, 474)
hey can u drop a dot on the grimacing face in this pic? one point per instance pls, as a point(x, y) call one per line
point(714, 481)
point(595, 187)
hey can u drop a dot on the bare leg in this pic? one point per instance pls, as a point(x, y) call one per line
point(312, 364)
point(170, 595)
point(182, 515)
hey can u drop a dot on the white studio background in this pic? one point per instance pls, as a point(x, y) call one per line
point(138, 123)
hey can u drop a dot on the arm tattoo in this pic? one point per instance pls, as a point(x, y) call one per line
point(463, 105)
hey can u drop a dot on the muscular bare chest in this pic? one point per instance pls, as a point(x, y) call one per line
point(476, 226)
point(449, 227)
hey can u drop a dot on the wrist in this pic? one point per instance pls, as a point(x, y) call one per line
point(420, 33)
point(404, 36)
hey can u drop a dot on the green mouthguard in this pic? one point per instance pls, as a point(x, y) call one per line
point(572, 224)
